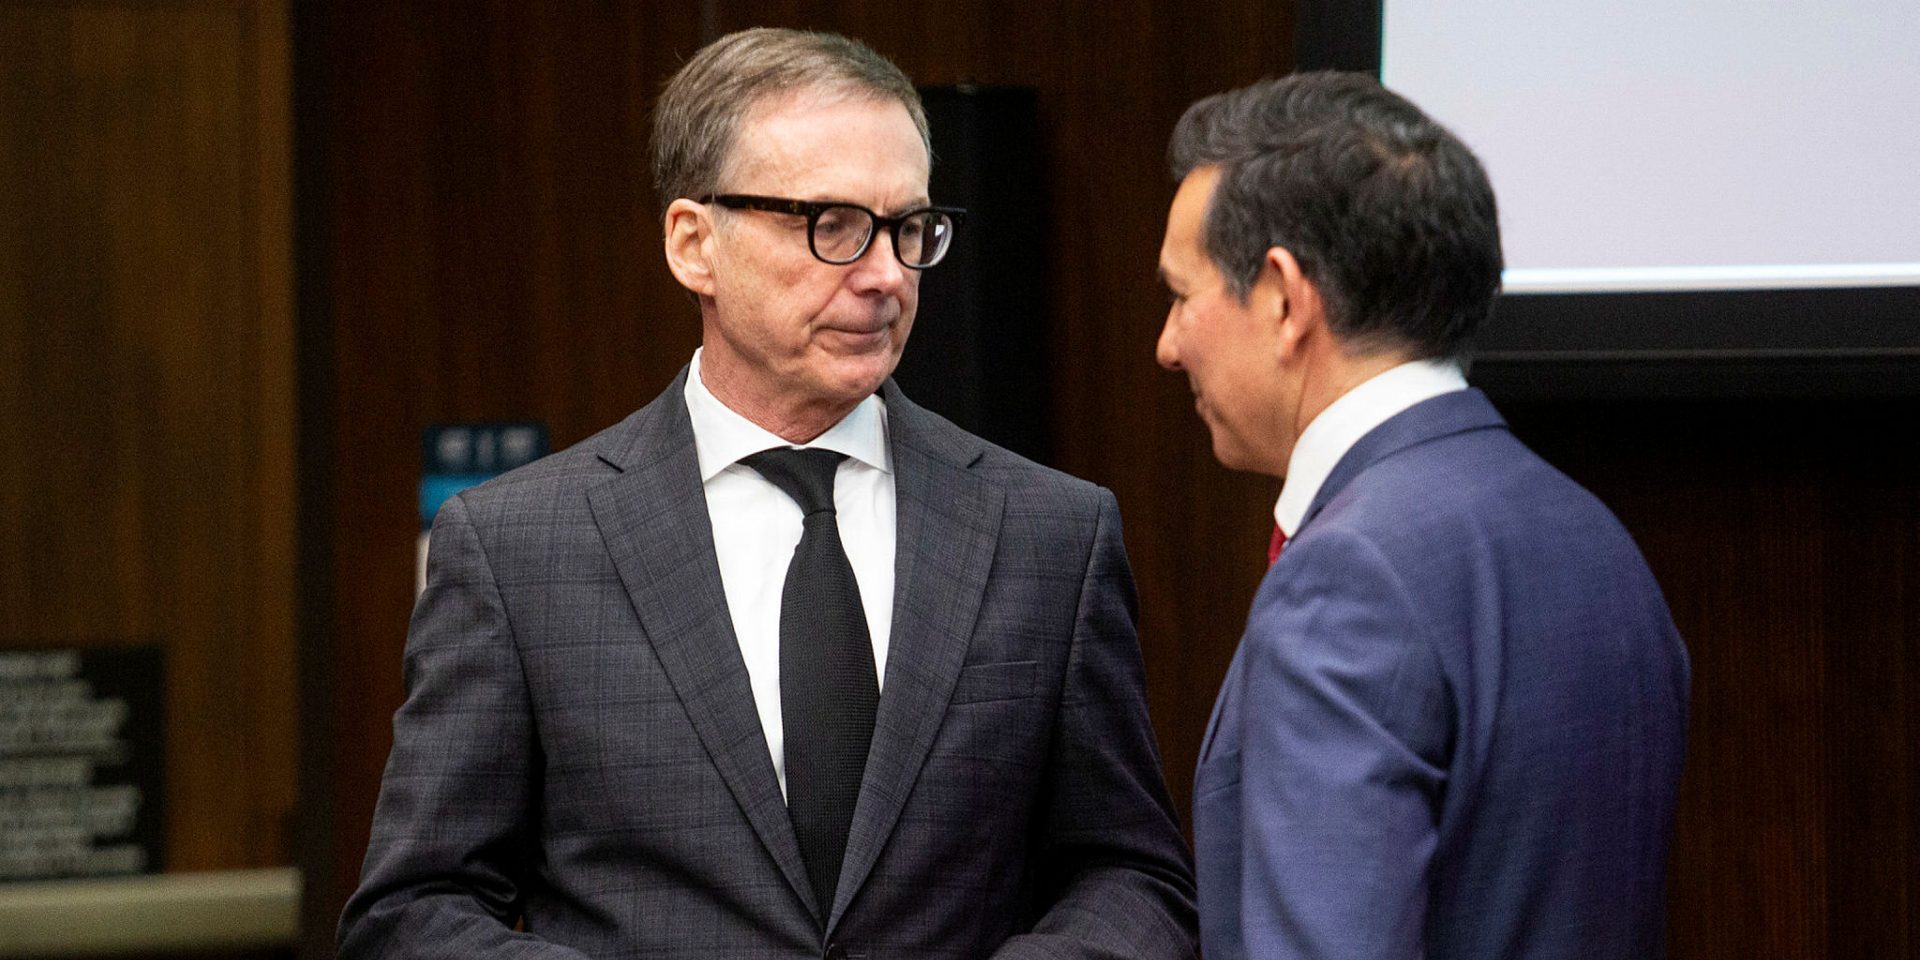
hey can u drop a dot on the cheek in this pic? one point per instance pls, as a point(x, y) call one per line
point(814, 292)
point(909, 300)
point(1195, 333)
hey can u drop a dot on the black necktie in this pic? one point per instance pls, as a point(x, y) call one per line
point(828, 687)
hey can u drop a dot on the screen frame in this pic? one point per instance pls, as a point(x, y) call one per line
point(1834, 341)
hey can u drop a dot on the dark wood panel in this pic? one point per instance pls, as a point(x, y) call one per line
point(146, 381)
point(1871, 633)
point(1787, 538)
point(488, 236)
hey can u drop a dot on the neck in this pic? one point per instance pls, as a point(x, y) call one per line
point(795, 423)
point(1332, 372)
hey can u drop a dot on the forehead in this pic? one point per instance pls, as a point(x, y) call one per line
point(825, 145)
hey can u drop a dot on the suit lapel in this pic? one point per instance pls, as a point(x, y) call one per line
point(947, 524)
point(653, 518)
point(1431, 419)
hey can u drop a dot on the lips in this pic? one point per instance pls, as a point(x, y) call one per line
point(866, 330)
point(1199, 404)
point(859, 328)
point(860, 340)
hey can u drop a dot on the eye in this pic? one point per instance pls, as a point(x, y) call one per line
point(834, 221)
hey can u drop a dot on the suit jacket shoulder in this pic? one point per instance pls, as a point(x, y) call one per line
point(929, 433)
point(1464, 511)
point(661, 423)
point(1478, 641)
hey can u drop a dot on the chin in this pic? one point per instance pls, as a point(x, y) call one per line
point(874, 365)
point(856, 378)
point(1236, 456)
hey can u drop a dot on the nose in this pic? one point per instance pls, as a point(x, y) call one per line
point(879, 269)
point(1167, 350)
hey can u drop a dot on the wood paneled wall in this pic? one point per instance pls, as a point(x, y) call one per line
point(490, 251)
point(1786, 535)
point(146, 381)
point(487, 232)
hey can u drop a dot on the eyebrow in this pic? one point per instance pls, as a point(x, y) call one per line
point(917, 204)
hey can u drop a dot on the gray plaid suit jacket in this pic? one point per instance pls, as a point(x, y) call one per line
point(579, 747)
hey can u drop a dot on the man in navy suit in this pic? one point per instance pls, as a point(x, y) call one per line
point(1454, 726)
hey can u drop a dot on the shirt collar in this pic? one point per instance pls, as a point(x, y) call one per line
point(721, 436)
point(1352, 416)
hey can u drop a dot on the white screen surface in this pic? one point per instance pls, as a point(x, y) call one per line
point(1686, 144)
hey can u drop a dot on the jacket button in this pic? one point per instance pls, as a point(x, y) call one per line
point(835, 952)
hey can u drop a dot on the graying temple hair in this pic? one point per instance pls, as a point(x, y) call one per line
point(699, 112)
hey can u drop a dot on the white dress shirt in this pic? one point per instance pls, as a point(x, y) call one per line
point(1347, 419)
point(756, 527)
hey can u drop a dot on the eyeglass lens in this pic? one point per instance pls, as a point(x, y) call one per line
point(841, 235)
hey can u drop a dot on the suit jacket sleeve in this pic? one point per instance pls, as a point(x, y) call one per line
point(452, 832)
point(1344, 742)
point(1109, 848)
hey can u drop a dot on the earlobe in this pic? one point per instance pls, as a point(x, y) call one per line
point(689, 255)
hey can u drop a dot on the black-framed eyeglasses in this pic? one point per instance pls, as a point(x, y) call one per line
point(840, 233)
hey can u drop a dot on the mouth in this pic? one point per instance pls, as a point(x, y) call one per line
point(860, 329)
point(861, 325)
point(1199, 403)
point(859, 336)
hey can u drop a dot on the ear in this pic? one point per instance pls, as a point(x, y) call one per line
point(1297, 307)
point(689, 245)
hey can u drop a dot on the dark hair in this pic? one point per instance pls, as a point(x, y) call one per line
point(1388, 213)
point(700, 110)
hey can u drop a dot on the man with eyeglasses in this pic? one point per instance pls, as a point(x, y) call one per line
point(782, 665)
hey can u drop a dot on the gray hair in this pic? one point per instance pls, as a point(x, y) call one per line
point(1388, 213)
point(699, 113)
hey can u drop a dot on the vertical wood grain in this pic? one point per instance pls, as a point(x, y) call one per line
point(146, 372)
point(1786, 535)
point(488, 229)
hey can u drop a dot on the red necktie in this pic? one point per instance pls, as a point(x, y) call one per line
point(1273, 546)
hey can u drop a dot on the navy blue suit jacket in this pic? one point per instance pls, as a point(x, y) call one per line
point(1454, 726)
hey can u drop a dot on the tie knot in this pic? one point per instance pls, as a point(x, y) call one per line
point(804, 475)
